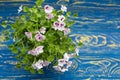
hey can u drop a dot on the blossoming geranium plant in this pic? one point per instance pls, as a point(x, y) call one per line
point(41, 37)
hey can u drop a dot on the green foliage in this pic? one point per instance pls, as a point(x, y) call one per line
point(55, 43)
point(80, 44)
point(68, 14)
point(33, 71)
point(25, 9)
point(4, 24)
point(50, 58)
point(6, 34)
point(41, 71)
point(13, 48)
point(18, 65)
point(75, 15)
point(39, 2)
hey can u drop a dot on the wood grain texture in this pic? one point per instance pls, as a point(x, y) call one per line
point(98, 27)
point(13, 0)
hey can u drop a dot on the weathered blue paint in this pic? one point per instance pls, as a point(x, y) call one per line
point(98, 26)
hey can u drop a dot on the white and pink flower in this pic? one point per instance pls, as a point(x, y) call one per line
point(69, 63)
point(39, 49)
point(42, 30)
point(48, 9)
point(72, 55)
point(40, 64)
point(46, 63)
point(66, 56)
point(59, 26)
point(28, 34)
point(62, 26)
point(61, 62)
point(58, 68)
point(64, 69)
point(36, 51)
point(63, 8)
point(33, 52)
point(56, 25)
point(66, 31)
point(63, 65)
point(39, 37)
point(49, 16)
point(61, 18)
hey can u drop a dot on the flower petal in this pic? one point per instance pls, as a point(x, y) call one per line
point(48, 9)
point(63, 8)
point(28, 34)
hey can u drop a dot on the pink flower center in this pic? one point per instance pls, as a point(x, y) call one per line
point(62, 24)
point(40, 37)
point(57, 24)
point(47, 7)
point(61, 19)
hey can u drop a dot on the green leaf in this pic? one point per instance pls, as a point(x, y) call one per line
point(80, 44)
point(4, 24)
point(18, 57)
point(39, 2)
point(29, 24)
point(76, 56)
point(56, 63)
point(33, 10)
point(62, 51)
point(70, 23)
point(33, 71)
point(25, 9)
point(13, 26)
point(18, 65)
point(60, 33)
point(75, 15)
point(13, 49)
point(27, 59)
point(41, 71)
point(10, 46)
point(6, 34)
point(23, 50)
point(68, 13)
point(26, 67)
point(7, 37)
point(34, 18)
point(23, 17)
point(50, 58)
point(71, 48)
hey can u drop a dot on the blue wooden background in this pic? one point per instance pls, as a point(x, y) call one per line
point(98, 27)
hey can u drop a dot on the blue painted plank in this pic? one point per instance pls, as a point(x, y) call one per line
point(98, 27)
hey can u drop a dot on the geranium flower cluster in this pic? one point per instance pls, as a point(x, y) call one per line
point(36, 51)
point(40, 64)
point(41, 37)
point(63, 64)
point(60, 25)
